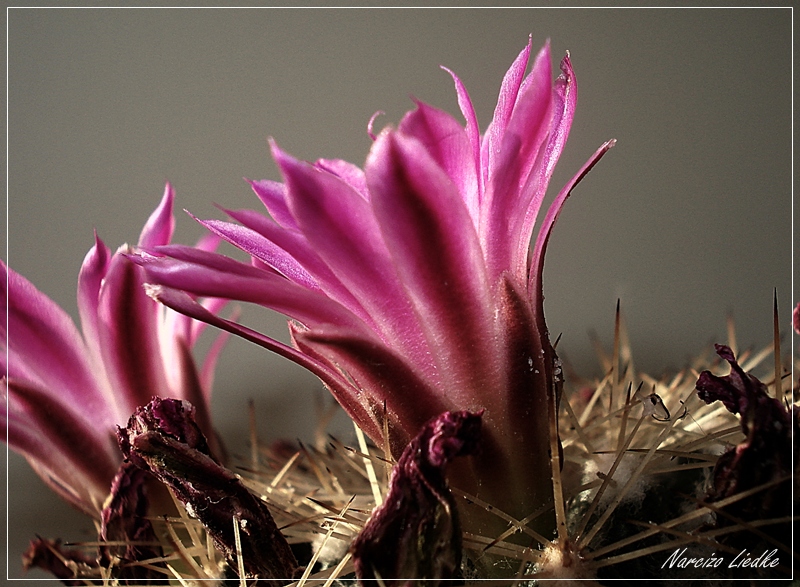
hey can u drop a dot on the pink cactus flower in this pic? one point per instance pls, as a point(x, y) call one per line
point(66, 391)
point(411, 286)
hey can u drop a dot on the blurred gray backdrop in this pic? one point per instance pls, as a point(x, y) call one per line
point(686, 220)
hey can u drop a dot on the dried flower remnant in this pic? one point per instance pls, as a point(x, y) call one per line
point(66, 390)
point(64, 563)
point(127, 536)
point(416, 534)
point(410, 284)
point(164, 439)
point(126, 539)
point(763, 457)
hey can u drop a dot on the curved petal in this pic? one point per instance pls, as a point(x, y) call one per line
point(449, 145)
point(93, 272)
point(71, 448)
point(211, 275)
point(45, 348)
point(273, 195)
point(263, 249)
point(473, 135)
point(565, 99)
point(435, 248)
point(161, 223)
point(531, 117)
point(520, 150)
point(295, 244)
point(129, 337)
point(341, 227)
point(349, 397)
point(565, 94)
point(537, 262)
point(493, 138)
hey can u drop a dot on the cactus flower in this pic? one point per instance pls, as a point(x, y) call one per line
point(66, 391)
point(411, 285)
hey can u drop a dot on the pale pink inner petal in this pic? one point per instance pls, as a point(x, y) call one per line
point(493, 138)
point(474, 137)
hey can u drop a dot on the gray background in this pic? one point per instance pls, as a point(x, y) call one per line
point(687, 219)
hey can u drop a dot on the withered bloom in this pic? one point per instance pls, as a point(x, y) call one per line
point(64, 563)
point(126, 535)
point(416, 534)
point(126, 540)
point(163, 438)
point(765, 454)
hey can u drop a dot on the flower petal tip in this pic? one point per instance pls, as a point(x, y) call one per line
point(371, 124)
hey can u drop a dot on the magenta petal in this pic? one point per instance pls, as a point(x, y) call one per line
point(336, 218)
point(341, 227)
point(72, 448)
point(565, 98)
point(473, 135)
point(93, 271)
point(351, 174)
point(129, 337)
point(531, 116)
point(449, 145)
point(537, 260)
point(44, 346)
point(505, 203)
point(565, 95)
point(296, 245)
point(263, 249)
point(211, 275)
point(435, 247)
point(195, 256)
point(159, 227)
point(493, 138)
point(273, 195)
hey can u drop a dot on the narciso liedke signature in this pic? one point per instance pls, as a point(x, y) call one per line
point(678, 559)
